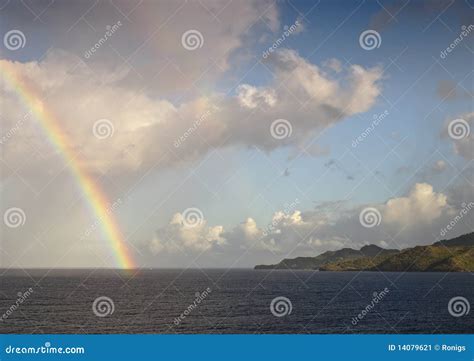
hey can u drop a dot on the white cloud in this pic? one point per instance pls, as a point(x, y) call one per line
point(439, 166)
point(333, 64)
point(249, 229)
point(282, 218)
point(252, 97)
point(145, 128)
point(412, 219)
point(354, 94)
point(150, 38)
point(422, 205)
point(176, 236)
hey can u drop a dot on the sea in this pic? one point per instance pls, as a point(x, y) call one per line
point(236, 301)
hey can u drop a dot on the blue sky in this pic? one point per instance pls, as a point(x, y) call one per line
point(320, 80)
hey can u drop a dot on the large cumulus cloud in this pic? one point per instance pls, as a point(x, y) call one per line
point(412, 219)
point(147, 129)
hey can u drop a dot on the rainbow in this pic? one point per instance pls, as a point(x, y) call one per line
point(97, 200)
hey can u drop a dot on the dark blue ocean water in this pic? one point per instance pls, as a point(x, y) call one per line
point(159, 301)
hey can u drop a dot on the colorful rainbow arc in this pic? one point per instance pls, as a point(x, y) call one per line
point(97, 200)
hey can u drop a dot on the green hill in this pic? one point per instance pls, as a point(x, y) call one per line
point(329, 257)
point(454, 255)
point(461, 241)
point(417, 259)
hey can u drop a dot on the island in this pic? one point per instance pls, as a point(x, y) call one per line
point(454, 255)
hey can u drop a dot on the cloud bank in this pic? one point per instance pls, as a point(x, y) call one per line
point(146, 129)
point(406, 221)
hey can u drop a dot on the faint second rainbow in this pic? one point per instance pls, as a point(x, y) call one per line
point(96, 199)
